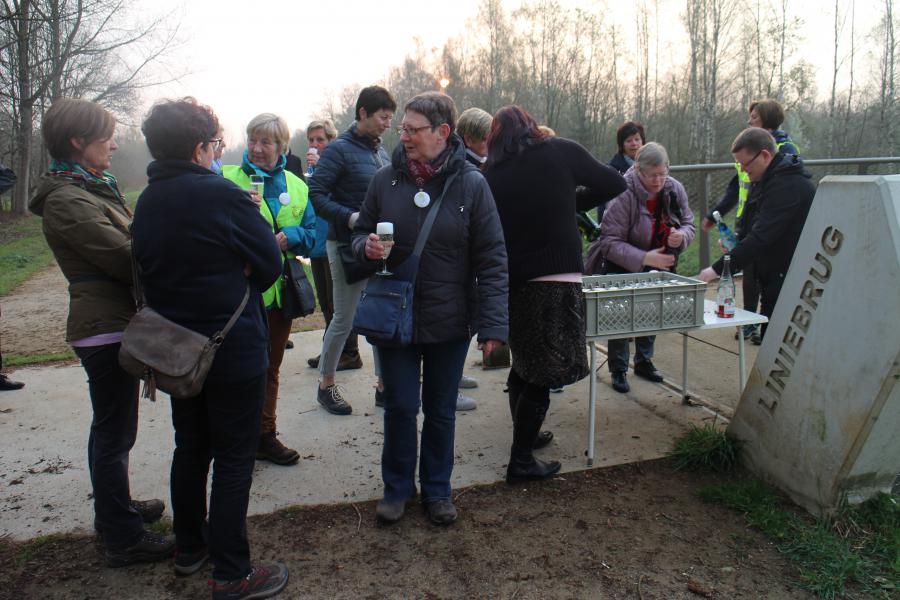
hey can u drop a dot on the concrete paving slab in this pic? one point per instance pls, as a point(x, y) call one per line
point(44, 485)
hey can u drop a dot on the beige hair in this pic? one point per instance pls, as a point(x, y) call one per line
point(651, 154)
point(273, 126)
point(474, 123)
point(326, 124)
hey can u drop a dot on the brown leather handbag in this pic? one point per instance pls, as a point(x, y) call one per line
point(165, 354)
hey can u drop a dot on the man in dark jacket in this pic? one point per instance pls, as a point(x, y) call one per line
point(780, 196)
point(337, 190)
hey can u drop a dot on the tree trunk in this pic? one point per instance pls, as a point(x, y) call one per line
point(25, 128)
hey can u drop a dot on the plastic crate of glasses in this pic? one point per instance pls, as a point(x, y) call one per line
point(637, 302)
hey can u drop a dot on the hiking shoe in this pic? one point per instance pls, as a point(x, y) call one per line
point(467, 383)
point(387, 511)
point(646, 370)
point(262, 582)
point(441, 512)
point(272, 450)
point(465, 403)
point(379, 398)
point(314, 361)
point(620, 382)
point(188, 563)
point(348, 362)
point(8, 385)
point(150, 510)
point(333, 401)
point(152, 547)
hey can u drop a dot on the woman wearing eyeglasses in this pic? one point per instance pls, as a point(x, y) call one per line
point(285, 207)
point(645, 228)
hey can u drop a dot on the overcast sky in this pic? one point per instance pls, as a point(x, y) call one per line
point(288, 56)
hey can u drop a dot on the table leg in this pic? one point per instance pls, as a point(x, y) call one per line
point(741, 369)
point(592, 403)
point(684, 365)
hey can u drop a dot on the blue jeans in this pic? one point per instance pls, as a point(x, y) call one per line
point(441, 366)
point(618, 352)
point(114, 399)
point(221, 425)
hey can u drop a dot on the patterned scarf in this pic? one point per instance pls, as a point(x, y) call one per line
point(422, 172)
point(73, 170)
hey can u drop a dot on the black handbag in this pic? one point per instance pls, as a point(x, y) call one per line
point(298, 298)
point(385, 310)
point(354, 270)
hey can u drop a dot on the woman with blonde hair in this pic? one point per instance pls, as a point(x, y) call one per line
point(285, 206)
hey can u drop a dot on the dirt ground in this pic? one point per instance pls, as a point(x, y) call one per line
point(634, 531)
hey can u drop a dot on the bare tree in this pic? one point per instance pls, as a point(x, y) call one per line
point(72, 48)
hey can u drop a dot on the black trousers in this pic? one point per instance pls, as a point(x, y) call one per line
point(220, 425)
point(114, 399)
point(750, 288)
point(769, 290)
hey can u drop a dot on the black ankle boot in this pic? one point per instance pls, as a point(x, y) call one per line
point(530, 413)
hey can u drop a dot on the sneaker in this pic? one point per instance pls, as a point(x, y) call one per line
point(152, 547)
point(289, 345)
point(646, 370)
point(756, 338)
point(620, 382)
point(467, 383)
point(379, 398)
point(150, 510)
point(349, 362)
point(747, 331)
point(333, 401)
point(313, 362)
point(558, 390)
point(262, 582)
point(465, 403)
point(272, 450)
point(8, 385)
point(188, 563)
point(441, 512)
point(387, 511)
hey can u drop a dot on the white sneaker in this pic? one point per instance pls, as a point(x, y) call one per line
point(465, 403)
point(467, 383)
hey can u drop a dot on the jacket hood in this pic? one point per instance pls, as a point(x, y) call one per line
point(456, 160)
point(786, 164)
point(49, 184)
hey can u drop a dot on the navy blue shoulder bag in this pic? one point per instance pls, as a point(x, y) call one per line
point(385, 310)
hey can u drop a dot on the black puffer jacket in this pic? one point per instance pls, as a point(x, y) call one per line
point(342, 177)
point(775, 213)
point(462, 280)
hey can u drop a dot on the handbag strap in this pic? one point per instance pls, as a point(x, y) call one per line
point(216, 338)
point(429, 222)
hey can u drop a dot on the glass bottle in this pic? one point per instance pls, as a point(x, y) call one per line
point(726, 293)
point(729, 240)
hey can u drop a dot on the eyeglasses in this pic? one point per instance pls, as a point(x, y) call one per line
point(656, 176)
point(217, 143)
point(411, 131)
point(749, 162)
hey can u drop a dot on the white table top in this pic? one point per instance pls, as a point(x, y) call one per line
point(741, 317)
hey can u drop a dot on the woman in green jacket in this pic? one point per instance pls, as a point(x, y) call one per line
point(286, 207)
point(86, 223)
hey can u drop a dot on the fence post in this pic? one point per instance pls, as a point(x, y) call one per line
point(704, 235)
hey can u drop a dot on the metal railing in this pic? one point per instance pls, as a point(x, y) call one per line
point(705, 184)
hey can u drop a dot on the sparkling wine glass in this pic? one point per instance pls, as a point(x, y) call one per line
point(257, 184)
point(385, 232)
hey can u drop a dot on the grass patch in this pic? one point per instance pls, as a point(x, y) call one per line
point(22, 552)
point(20, 360)
point(23, 251)
point(857, 551)
point(706, 448)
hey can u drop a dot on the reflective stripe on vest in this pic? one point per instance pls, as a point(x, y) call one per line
point(743, 189)
point(288, 216)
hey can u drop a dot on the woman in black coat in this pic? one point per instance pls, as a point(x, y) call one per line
point(201, 245)
point(465, 245)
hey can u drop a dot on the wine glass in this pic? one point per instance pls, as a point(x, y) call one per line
point(257, 184)
point(385, 232)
